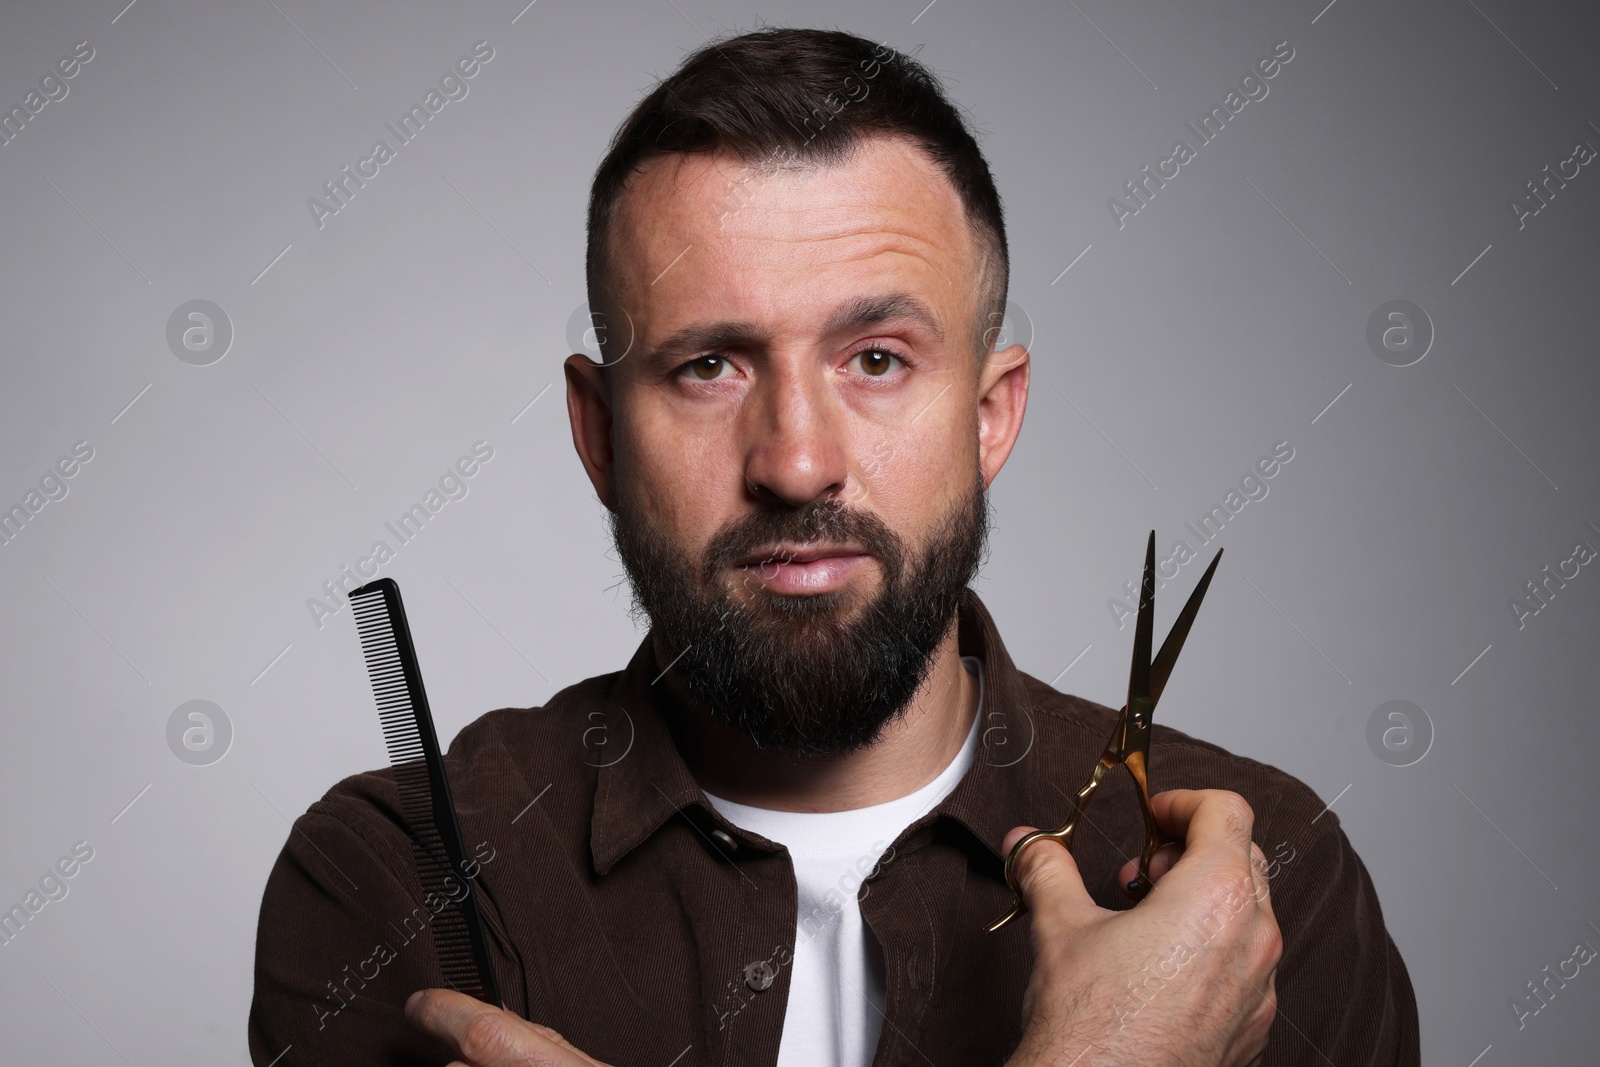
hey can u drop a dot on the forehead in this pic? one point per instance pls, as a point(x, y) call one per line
point(696, 234)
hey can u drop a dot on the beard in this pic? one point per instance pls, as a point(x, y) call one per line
point(817, 674)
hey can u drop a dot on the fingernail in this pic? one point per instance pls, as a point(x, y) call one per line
point(412, 1000)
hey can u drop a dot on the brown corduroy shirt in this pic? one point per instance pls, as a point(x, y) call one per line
point(626, 913)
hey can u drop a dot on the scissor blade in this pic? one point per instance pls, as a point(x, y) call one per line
point(1180, 630)
point(1144, 627)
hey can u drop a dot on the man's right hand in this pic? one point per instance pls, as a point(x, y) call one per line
point(1183, 978)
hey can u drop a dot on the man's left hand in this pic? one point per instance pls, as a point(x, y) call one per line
point(485, 1036)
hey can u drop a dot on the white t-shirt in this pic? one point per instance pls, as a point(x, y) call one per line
point(836, 988)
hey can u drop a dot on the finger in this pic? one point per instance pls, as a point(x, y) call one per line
point(1211, 821)
point(1257, 868)
point(1160, 863)
point(575, 1056)
point(485, 1036)
point(447, 1015)
point(1261, 874)
point(1050, 883)
point(1017, 834)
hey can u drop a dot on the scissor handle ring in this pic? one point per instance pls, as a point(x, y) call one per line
point(1062, 833)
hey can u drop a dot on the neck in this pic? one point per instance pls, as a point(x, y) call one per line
point(910, 752)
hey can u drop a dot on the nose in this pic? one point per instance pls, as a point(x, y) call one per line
point(796, 450)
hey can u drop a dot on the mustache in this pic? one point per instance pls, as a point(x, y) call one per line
point(821, 520)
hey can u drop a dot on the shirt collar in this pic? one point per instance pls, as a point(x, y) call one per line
point(643, 781)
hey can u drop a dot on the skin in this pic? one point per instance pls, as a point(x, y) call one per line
point(789, 413)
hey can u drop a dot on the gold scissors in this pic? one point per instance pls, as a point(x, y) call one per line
point(1129, 745)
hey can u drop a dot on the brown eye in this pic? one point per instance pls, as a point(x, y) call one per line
point(875, 362)
point(708, 368)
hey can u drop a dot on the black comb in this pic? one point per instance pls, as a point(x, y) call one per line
point(425, 802)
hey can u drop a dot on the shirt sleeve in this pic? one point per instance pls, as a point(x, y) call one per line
point(1344, 996)
point(342, 940)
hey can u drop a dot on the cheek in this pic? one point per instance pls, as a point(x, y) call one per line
point(683, 483)
point(923, 471)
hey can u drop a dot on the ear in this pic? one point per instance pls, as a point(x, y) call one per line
point(1002, 400)
point(589, 410)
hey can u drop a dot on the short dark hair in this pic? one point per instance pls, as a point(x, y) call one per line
point(786, 97)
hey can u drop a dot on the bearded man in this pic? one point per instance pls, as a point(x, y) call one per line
point(821, 753)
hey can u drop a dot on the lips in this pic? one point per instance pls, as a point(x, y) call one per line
point(805, 570)
point(799, 554)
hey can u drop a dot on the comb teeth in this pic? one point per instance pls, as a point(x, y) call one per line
point(459, 941)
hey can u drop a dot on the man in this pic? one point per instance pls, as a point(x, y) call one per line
point(778, 834)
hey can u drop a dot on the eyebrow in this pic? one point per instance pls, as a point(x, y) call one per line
point(851, 315)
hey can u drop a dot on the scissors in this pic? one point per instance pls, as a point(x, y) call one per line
point(1129, 745)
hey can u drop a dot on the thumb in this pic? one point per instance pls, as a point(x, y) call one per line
point(1048, 879)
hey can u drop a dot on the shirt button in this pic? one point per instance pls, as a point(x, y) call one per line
point(725, 839)
point(759, 975)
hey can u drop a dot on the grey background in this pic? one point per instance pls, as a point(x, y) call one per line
point(1226, 316)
